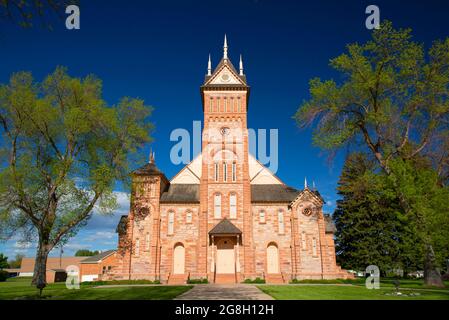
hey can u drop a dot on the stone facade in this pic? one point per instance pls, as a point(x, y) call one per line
point(224, 217)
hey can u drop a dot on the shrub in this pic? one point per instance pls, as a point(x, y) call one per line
point(3, 275)
point(257, 280)
point(197, 281)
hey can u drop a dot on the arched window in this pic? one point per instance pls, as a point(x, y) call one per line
point(217, 206)
point(189, 217)
point(147, 241)
point(234, 172)
point(281, 222)
point(239, 105)
point(261, 216)
point(225, 172)
point(233, 206)
point(211, 104)
point(314, 251)
point(225, 105)
point(303, 240)
point(137, 248)
point(216, 174)
point(171, 222)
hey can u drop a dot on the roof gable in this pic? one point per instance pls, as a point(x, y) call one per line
point(308, 194)
point(225, 74)
point(225, 227)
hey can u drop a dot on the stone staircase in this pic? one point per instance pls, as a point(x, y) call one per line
point(225, 278)
point(274, 278)
point(177, 279)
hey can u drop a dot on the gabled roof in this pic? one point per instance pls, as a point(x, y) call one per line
point(225, 63)
point(181, 193)
point(273, 193)
point(330, 225)
point(97, 258)
point(308, 193)
point(224, 227)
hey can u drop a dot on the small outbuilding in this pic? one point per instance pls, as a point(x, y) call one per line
point(92, 268)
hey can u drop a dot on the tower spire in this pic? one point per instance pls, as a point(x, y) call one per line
point(209, 67)
point(151, 160)
point(305, 183)
point(225, 48)
point(241, 66)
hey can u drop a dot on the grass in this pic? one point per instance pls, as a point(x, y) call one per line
point(355, 290)
point(20, 288)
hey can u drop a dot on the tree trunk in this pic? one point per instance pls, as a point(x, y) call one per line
point(432, 276)
point(40, 265)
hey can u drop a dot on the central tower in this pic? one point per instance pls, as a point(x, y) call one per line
point(225, 212)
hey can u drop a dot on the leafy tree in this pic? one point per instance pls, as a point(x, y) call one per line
point(371, 225)
point(86, 253)
point(392, 103)
point(17, 262)
point(24, 13)
point(3, 262)
point(64, 149)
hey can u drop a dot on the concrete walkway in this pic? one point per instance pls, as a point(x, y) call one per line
point(224, 292)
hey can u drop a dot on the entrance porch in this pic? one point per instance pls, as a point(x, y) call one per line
point(224, 246)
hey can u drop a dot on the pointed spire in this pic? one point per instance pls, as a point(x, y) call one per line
point(151, 160)
point(313, 185)
point(225, 48)
point(209, 67)
point(305, 183)
point(241, 66)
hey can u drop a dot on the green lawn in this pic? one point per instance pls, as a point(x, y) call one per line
point(20, 288)
point(354, 290)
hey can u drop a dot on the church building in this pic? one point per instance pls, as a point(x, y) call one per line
point(224, 217)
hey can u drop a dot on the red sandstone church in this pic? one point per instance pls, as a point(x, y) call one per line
point(224, 217)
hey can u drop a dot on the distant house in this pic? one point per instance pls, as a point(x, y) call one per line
point(12, 272)
point(93, 267)
point(56, 267)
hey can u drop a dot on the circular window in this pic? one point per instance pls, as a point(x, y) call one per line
point(307, 211)
point(225, 77)
point(225, 131)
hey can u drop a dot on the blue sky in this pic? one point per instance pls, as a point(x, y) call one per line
point(157, 51)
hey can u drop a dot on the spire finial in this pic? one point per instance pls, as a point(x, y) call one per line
point(313, 185)
point(225, 48)
point(209, 67)
point(151, 156)
point(305, 183)
point(241, 66)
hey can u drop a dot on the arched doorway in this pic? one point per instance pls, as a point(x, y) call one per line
point(179, 259)
point(225, 256)
point(272, 258)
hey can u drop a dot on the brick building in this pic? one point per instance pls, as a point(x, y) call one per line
point(224, 217)
point(92, 268)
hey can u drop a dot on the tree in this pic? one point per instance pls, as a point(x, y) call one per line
point(3, 262)
point(25, 13)
point(86, 253)
point(17, 262)
point(371, 225)
point(392, 103)
point(63, 151)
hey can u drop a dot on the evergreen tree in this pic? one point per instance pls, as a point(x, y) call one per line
point(371, 228)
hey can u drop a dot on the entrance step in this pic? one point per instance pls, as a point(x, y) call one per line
point(274, 278)
point(177, 279)
point(225, 278)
